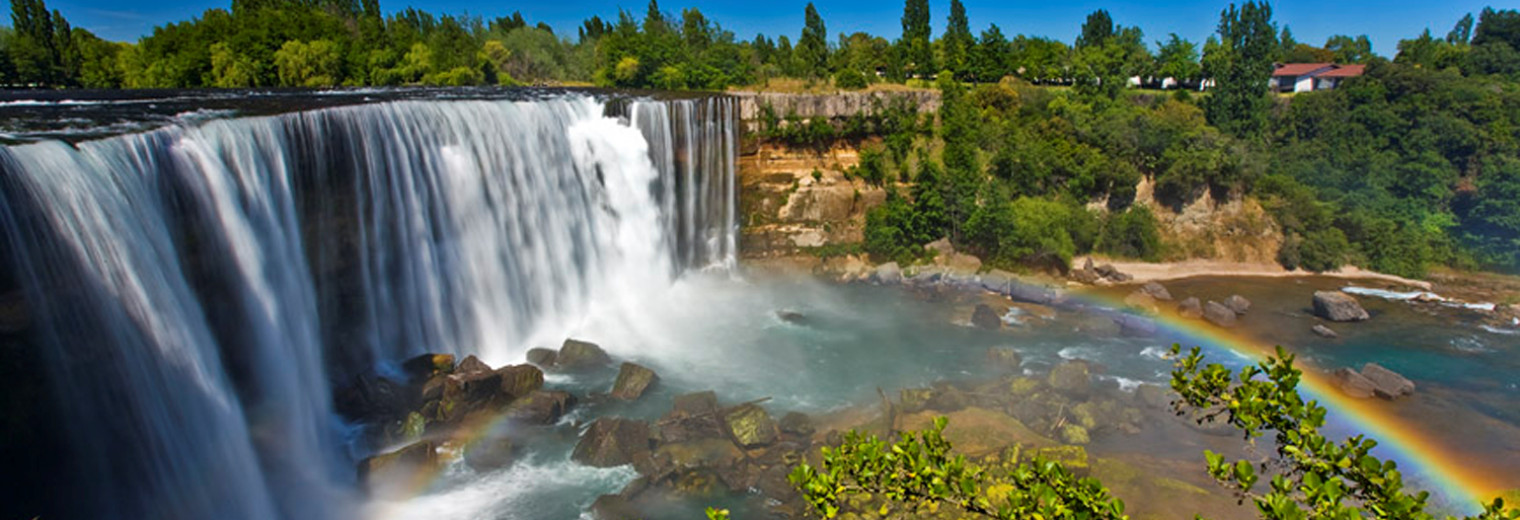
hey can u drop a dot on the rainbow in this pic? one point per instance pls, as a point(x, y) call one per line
point(1463, 487)
point(1407, 444)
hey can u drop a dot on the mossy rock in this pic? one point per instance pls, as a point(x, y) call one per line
point(424, 366)
point(1071, 378)
point(1023, 387)
point(750, 425)
point(977, 432)
point(518, 381)
point(1074, 434)
point(1086, 415)
point(542, 357)
point(632, 381)
point(413, 427)
point(914, 399)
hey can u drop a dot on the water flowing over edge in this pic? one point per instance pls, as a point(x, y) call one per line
point(199, 290)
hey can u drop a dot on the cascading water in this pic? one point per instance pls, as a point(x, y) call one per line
point(197, 290)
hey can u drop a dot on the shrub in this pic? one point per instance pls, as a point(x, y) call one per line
point(850, 79)
point(1132, 234)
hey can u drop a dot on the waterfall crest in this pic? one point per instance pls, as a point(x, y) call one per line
point(198, 290)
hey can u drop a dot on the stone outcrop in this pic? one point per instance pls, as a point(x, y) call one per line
point(542, 357)
point(1218, 314)
point(632, 381)
point(488, 453)
point(394, 472)
point(542, 407)
point(1338, 306)
point(833, 105)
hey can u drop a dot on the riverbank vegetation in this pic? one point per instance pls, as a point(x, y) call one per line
point(1037, 151)
point(1308, 475)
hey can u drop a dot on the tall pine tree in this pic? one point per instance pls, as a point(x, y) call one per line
point(957, 41)
point(915, 52)
point(1241, 66)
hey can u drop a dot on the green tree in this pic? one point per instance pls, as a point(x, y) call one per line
point(1462, 32)
point(231, 70)
point(1177, 58)
point(1241, 65)
point(812, 51)
point(918, 55)
point(957, 42)
point(1097, 30)
point(308, 64)
point(990, 59)
point(1350, 50)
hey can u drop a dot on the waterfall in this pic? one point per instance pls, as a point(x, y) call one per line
point(199, 289)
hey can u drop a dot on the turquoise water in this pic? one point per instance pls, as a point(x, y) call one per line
point(720, 332)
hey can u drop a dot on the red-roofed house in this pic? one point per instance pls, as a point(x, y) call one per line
point(1308, 77)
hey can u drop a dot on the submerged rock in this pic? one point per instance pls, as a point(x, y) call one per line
point(632, 381)
point(613, 441)
point(986, 318)
point(1190, 308)
point(1141, 300)
point(1387, 383)
point(750, 425)
point(1157, 291)
point(393, 472)
point(1218, 314)
point(1238, 303)
point(794, 318)
point(887, 274)
point(1338, 306)
point(488, 453)
point(1354, 384)
point(614, 507)
point(797, 423)
point(1325, 332)
point(1071, 378)
point(577, 355)
point(1004, 358)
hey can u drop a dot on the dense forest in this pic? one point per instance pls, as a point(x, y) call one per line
point(1414, 164)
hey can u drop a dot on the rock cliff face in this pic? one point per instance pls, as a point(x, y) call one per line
point(841, 104)
point(786, 208)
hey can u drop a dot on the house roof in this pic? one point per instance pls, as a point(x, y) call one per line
point(1300, 69)
point(1344, 71)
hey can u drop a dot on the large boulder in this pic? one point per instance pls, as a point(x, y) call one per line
point(695, 403)
point(1156, 291)
point(1338, 306)
point(393, 473)
point(1354, 384)
point(632, 381)
point(542, 407)
point(577, 355)
point(1027, 293)
point(693, 416)
point(542, 357)
point(1134, 326)
point(750, 425)
point(1190, 308)
point(1218, 314)
point(1387, 383)
point(1072, 378)
point(520, 380)
point(613, 441)
point(1238, 303)
point(887, 274)
point(986, 318)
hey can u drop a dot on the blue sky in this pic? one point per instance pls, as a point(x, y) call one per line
point(1311, 20)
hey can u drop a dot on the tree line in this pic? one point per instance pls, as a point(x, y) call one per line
point(265, 43)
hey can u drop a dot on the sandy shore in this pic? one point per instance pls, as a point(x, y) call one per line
point(1162, 271)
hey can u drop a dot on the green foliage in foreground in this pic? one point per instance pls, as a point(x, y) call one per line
point(1310, 476)
point(918, 470)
